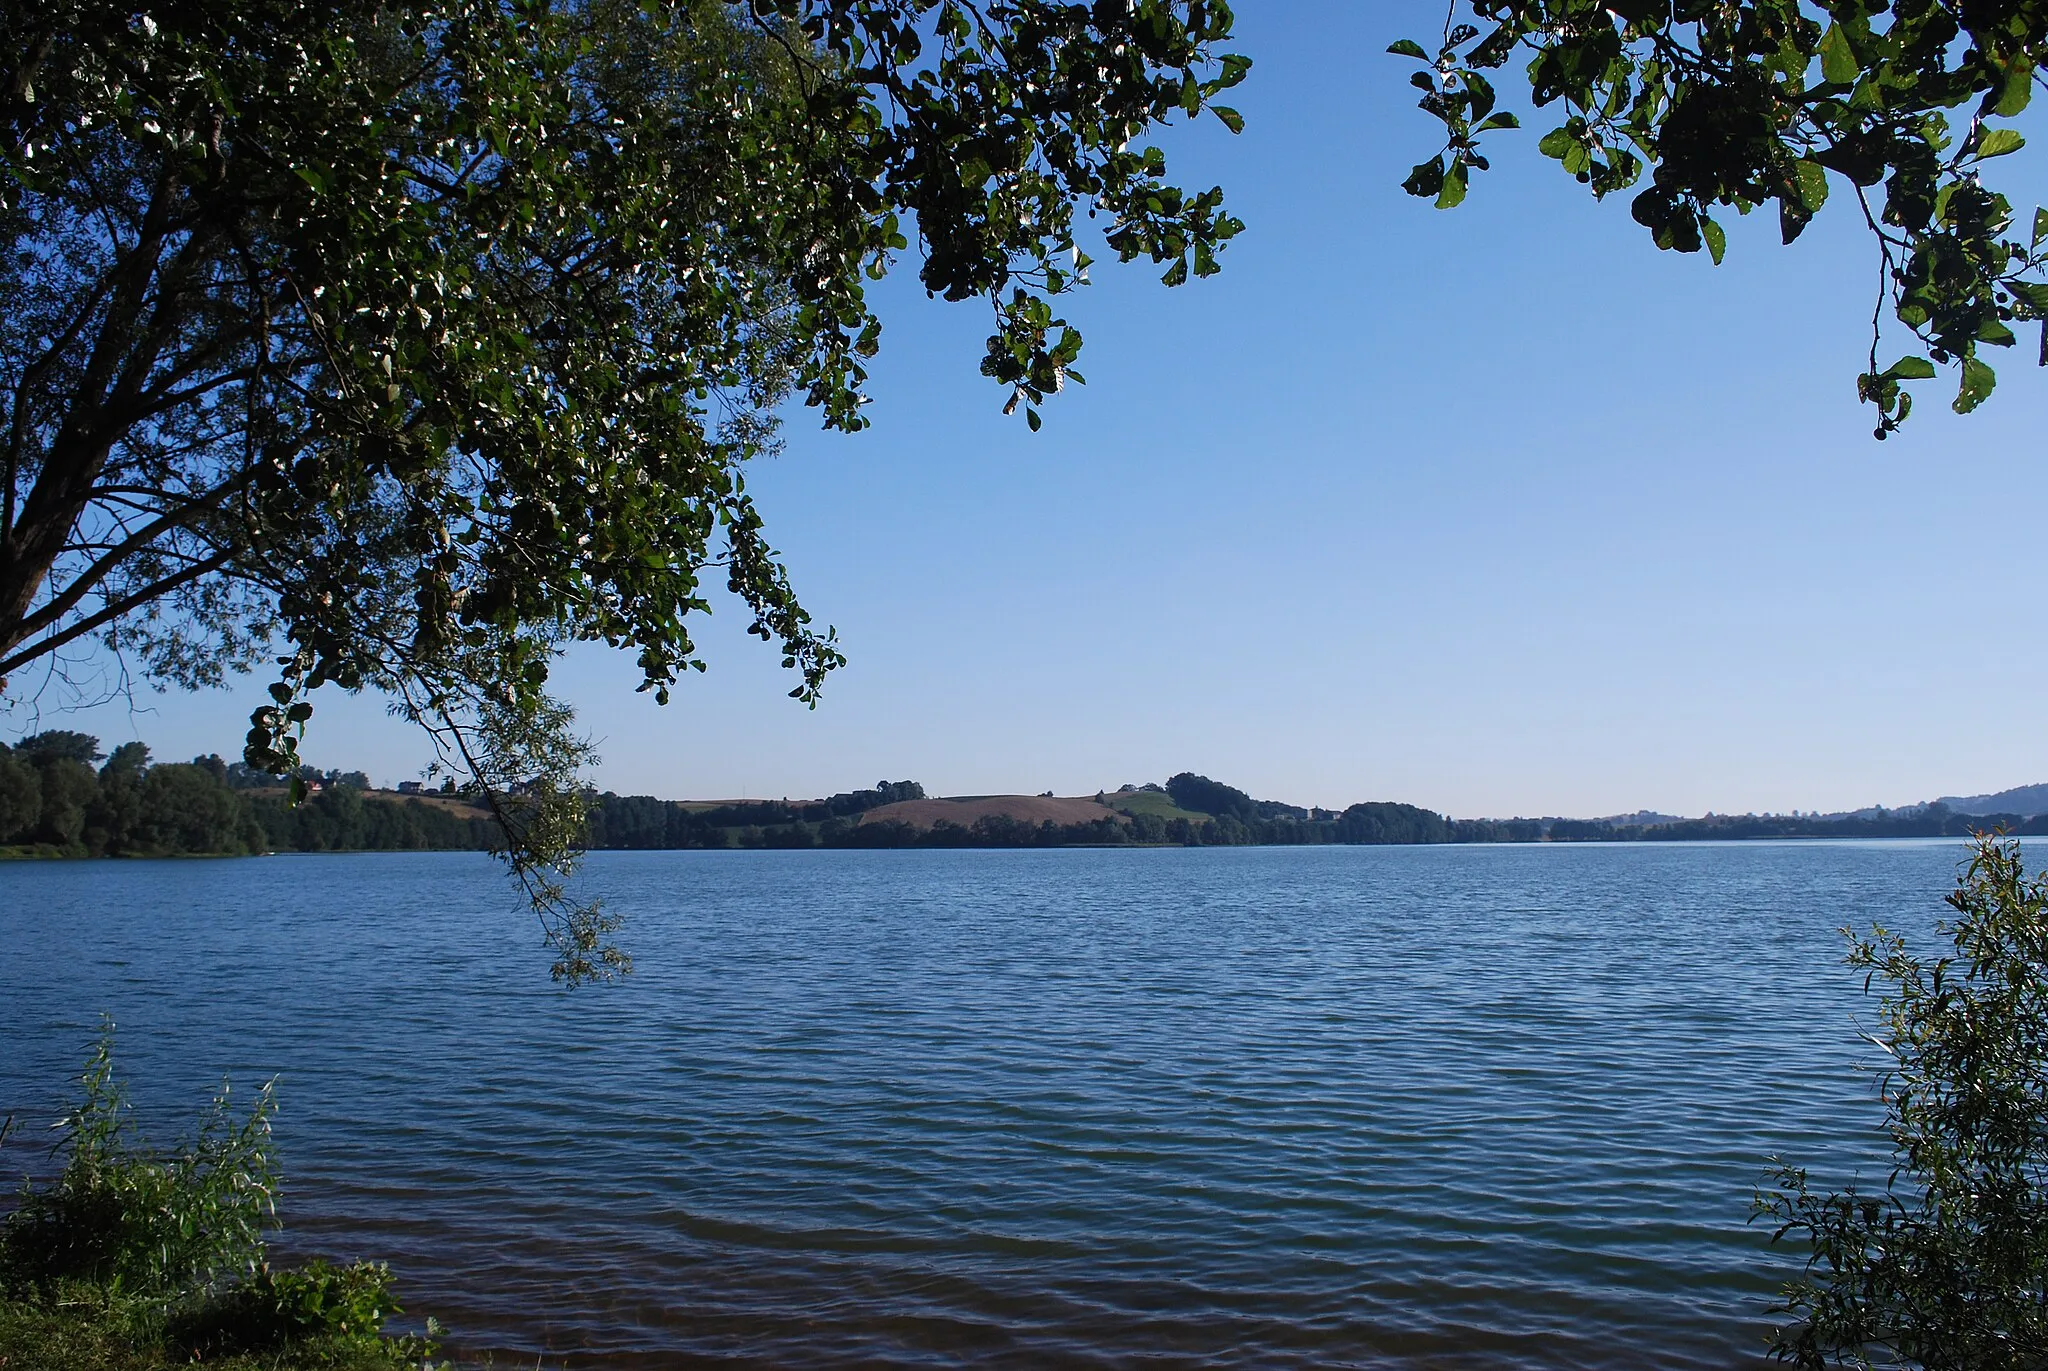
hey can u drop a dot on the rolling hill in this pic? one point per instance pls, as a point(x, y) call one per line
point(965, 809)
point(2025, 801)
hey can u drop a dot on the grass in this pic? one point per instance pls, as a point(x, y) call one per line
point(90, 1337)
point(24, 852)
point(1150, 802)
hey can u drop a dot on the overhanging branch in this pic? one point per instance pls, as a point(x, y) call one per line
point(112, 611)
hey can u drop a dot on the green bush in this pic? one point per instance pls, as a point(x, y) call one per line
point(1946, 1266)
point(344, 1305)
point(130, 1223)
point(134, 1259)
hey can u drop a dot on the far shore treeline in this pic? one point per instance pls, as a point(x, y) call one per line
point(62, 796)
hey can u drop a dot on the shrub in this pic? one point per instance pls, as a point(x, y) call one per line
point(133, 1224)
point(1946, 1267)
point(134, 1259)
point(344, 1305)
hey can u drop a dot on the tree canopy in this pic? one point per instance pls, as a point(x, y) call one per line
point(1741, 104)
point(53, 804)
point(394, 346)
point(1204, 796)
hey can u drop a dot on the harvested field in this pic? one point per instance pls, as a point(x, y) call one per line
point(965, 809)
point(454, 804)
point(457, 805)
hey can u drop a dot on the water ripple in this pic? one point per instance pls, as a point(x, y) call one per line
point(1414, 1108)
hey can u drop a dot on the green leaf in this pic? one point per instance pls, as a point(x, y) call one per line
point(1978, 380)
point(1999, 142)
point(1812, 180)
point(1426, 179)
point(1232, 120)
point(1717, 239)
point(1557, 143)
point(1910, 369)
point(2033, 294)
point(1408, 47)
point(1481, 91)
point(1453, 193)
point(1031, 418)
point(1837, 59)
point(2040, 224)
point(2018, 89)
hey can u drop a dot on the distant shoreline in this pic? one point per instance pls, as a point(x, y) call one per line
point(1190, 811)
point(54, 805)
point(897, 835)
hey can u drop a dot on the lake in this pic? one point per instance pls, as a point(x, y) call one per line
point(1270, 1107)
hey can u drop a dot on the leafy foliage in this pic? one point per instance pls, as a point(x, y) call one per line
point(400, 345)
point(1748, 103)
point(131, 1223)
point(133, 1258)
point(268, 1309)
point(1946, 1267)
point(60, 745)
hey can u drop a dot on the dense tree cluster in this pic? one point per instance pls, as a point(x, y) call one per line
point(341, 818)
point(1205, 796)
point(52, 796)
point(641, 821)
point(61, 796)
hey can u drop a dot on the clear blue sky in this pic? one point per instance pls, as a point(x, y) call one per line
point(1497, 511)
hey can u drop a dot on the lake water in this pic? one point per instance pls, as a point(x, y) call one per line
point(1324, 1107)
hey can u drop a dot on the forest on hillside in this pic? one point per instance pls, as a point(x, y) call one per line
point(1195, 811)
point(62, 796)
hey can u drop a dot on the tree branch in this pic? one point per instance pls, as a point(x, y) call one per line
point(112, 611)
point(82, 584)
